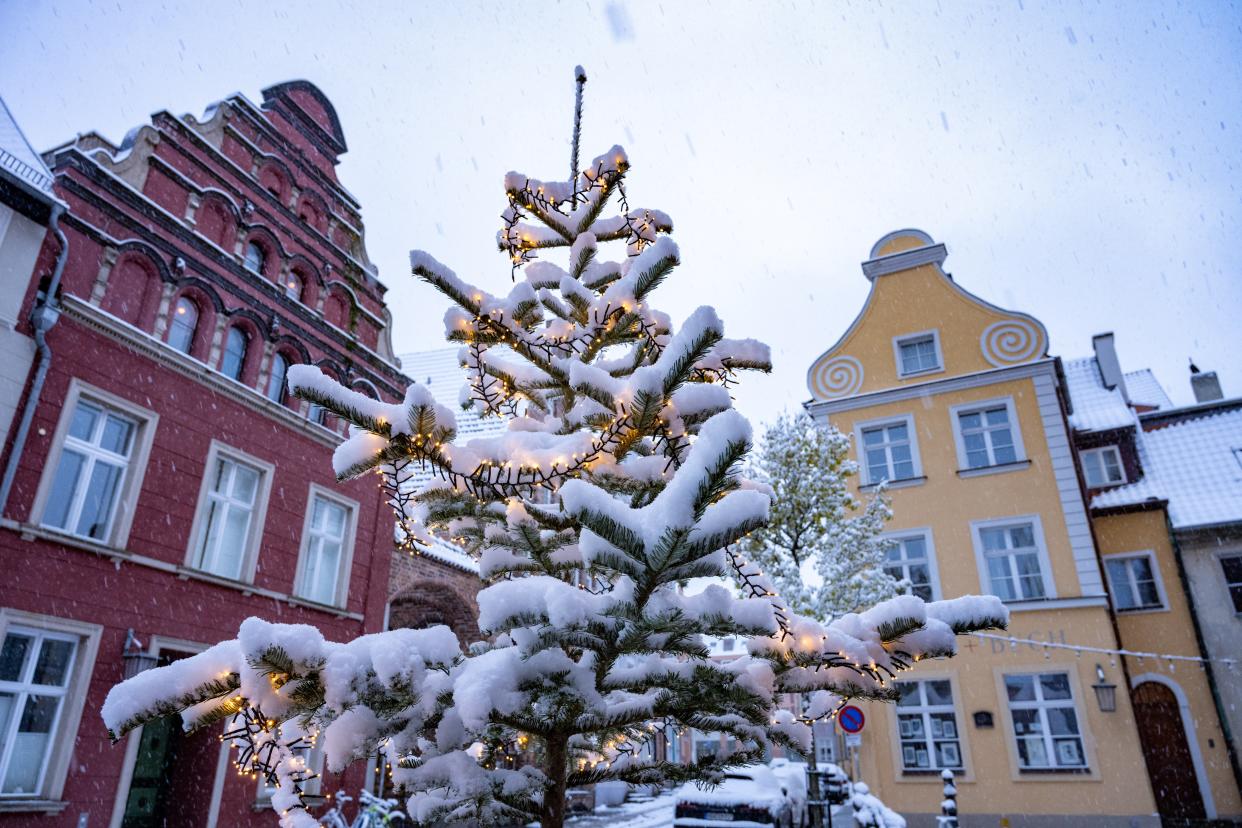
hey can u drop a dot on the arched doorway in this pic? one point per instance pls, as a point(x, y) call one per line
point(1170, 764)
point(429, 604)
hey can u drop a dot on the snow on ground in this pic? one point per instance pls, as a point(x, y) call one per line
point(658, 813)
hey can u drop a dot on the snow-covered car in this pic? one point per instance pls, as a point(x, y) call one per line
point(746, 798)
point(793, 777)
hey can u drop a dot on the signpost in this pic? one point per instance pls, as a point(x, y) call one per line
point(851, 720)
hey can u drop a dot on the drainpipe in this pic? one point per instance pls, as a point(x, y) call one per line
point(42, 318)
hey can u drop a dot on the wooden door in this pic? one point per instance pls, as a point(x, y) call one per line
point(1169, 763)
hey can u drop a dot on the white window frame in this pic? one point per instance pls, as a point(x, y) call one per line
point(130, 487)
point(1045, 562)
point(864, 470)
point(347, 545)
point(1015, 428)
point(909, 338)
point(69, 716)
point(312, 787)
point(1087, 767)
point(250, 554)
point(1152, 561)
point(933, 573)
point(954, 707)
point(1100, 452)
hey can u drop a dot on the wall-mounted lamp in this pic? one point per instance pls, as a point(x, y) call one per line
point(136, 661)
point(1105, 693)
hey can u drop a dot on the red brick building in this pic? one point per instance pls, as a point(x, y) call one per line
point(167, 485)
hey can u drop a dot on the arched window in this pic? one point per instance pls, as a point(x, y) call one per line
point(255, 257)
point(234, 354)
point(184, 323)
point(276, 383)
point(293, 287)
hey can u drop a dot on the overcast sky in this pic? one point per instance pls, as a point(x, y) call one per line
point(1081, 162)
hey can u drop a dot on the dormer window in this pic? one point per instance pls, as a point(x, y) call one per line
point(254, 258)
point(918, 354)
point(1102, 467)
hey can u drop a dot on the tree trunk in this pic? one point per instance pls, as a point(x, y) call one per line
point(552, 815)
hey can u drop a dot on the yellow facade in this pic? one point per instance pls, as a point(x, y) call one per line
point(980, 360)
point(1170, 630)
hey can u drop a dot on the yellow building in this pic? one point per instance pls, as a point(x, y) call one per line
point(956, 404)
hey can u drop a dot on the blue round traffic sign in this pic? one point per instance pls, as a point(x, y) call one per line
point(851, 719)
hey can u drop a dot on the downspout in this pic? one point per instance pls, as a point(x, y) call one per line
point(42, 318)
point(1184, 577)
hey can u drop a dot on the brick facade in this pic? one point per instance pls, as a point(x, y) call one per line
point(168, 218)
point(425, 591)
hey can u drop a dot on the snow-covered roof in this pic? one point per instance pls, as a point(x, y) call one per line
point(1194, 464)
point(1096, 408)
point(1144, 389)
point(18, 159)
point(449, 553)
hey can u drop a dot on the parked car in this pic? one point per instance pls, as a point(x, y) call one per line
point(834, 785)
point(751, 795)
point(793, 777)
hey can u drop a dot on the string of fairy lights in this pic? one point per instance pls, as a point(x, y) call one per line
point(1141, 656)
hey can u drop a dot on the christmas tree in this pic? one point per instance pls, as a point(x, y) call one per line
point(816, 527)
point(616, 483)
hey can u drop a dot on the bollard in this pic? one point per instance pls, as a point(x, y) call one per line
point(948, 806)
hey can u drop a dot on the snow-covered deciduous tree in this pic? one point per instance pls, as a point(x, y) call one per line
point(616, 482)
point(816, 527)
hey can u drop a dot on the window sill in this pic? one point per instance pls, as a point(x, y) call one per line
point(29, 806)
point(903, 483)
point(30, 532)
point(1141, 610)
point(1000, 468)
point(1055, 771)
point(939, 369)
point(1037, 604)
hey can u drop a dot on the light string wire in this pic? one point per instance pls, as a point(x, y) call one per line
point(1231, 663)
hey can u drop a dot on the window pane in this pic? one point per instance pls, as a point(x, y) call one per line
point(13, 657)
point(1118, 576)
point(245, 483)
point(909, 691)
point(993, 539)
point(1032, 753)
point(1062, 721)
point(181, 329)
point(898, 432)
point(234, 354)
point(915, 548)
point(323, 589)
point(1027, 723)
point(1069, 752)
point(1029, 572)
point(938, 692)
point(52, 668)
point(1112, 465)
point(997, 416)
point(1023, 537)
point(1002, 581)
point(873, 436)
point(60, 499)
point(1054, 686)
point(97, 505)
point(1020, 688)
point(276, 382)
point(85, 416)
point(970, 421)
point(1232, 567)
point(1004, 453)
point(116, 434)
point(1091, 469)
point(34, 734)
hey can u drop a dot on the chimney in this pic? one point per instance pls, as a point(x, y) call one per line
point(1205, 384)
point(1110, 367)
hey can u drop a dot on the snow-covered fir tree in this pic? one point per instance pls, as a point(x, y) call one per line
point(821, 547)
point(616, 483)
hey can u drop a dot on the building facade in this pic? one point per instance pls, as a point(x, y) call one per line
point(958, 407)
point(168, 486)
point(1165, 487)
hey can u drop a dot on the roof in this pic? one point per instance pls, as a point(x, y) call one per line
point(1095, 407)
point(1194, 464)
point(18, 160)
point(1145, 389)
point(449, 553)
